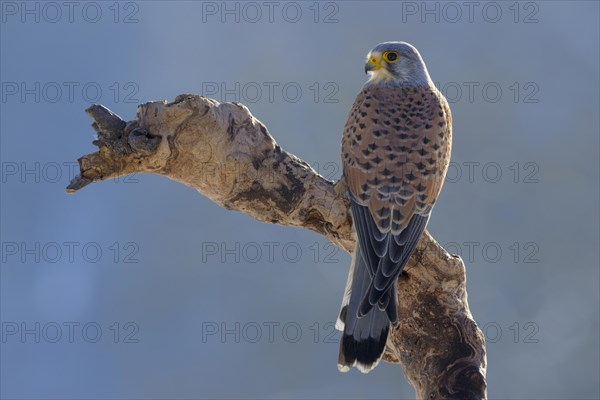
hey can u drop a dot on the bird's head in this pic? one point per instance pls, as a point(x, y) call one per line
point(396, 63)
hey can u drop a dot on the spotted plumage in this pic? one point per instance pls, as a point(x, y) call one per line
point(395, 151)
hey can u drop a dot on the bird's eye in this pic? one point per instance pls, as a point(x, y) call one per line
point(390, 56)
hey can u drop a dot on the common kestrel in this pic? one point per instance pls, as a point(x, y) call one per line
point(395, 151)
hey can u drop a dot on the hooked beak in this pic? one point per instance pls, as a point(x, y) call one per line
point(373, 64)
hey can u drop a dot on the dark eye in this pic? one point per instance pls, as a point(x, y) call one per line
point(390, 56)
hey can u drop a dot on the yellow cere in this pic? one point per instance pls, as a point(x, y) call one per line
point(378, 71)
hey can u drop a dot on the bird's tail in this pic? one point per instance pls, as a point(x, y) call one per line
point(363, 339)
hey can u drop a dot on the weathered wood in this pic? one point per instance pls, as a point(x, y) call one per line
point(229, 156)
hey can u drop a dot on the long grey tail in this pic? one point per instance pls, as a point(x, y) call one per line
point(363, 339)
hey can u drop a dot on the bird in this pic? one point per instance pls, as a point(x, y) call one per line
point(396, 147)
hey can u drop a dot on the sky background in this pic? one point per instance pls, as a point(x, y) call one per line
point(142, 288)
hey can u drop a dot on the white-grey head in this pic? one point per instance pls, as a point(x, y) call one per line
point(396, 63)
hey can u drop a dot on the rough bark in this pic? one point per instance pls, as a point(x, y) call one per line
point(226, 154)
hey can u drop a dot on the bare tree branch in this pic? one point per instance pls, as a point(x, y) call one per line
point(226, 154)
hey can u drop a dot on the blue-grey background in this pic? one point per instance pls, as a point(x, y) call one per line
point(177, 320)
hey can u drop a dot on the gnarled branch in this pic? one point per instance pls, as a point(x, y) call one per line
point(226, 154)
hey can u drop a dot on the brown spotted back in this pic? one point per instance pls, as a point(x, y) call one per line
point(395, 150)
